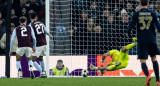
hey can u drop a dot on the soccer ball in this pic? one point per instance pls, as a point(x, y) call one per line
point(84, 73)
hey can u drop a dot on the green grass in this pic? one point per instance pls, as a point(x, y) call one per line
point(103, 81)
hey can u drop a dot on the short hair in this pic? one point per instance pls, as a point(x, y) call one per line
point(33, 15)
point(22, 19)
point(144, 2)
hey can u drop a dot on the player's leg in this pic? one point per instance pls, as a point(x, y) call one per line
point(156, 69)
point(129, 46)
point(143, 56)
point(18, 65)
point(28, 52)
point(42, 63)
point(145, 70)
point(19, 53)
point(107, 68)
point(34, 57)
point(35, 64)
point(153, 49)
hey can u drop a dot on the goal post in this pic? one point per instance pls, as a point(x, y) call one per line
point(47, 17)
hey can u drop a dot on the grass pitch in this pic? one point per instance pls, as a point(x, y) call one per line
point(89, 81)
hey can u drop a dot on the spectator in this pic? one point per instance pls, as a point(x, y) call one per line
point(14, 18)
point(34, 6)
point(138, 8)
point(3, 40)
point(93, 11)
point(2, 28)
point(41, 15)
point(60, 69)
point(24, 12)
point(79, 33)
point(98, 41)
point(107, 7)
point(90, 25)
point(104, 17)
point(111, 34)
point(158, 5)
point(89, 35)
point(130, 9)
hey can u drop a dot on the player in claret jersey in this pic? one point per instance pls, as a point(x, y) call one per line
point(40, 33)
point(24, 34)
point(146, 22)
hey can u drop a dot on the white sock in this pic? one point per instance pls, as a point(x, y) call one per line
point(37, 66)
point(30, 63)
point(42, 65)
point(96, 68)
point(18, 65)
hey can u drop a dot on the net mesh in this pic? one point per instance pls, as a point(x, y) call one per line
point(91, 28)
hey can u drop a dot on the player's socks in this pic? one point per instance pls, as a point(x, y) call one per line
point(37, 66)
point(145, 68)
point(18, 65)
point(42, 65)
point(130, 46)
point(111, 67)
point(156, 70)
point(30, 63)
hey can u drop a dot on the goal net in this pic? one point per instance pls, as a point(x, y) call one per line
point(86, 29)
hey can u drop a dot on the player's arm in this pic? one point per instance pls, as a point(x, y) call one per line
point(34, 39)
point(46, 32)
point(104, 56)
point(156, 22)
point(14, 34)
point(132, 24)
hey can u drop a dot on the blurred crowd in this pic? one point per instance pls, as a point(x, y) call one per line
point(100, 25)
point(19, 8)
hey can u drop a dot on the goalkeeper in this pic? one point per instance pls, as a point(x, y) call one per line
point(119, 58)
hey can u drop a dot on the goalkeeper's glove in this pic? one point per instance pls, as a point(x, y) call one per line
point(103, 61)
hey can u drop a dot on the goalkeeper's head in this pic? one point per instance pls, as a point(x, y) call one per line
point(144, 2)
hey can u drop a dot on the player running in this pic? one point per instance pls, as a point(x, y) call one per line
point(24, 34)
point(146, 21)
point(40, 33)
point(119, 58)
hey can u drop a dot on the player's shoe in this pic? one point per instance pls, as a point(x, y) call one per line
point(92, 67)
point(148, 80)
point(31, 73)
point(43, 75)
point(157, 83)
point(20, 75)
point(135, 40)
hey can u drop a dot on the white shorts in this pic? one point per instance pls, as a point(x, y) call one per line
point(40, 51)
point(24, 50)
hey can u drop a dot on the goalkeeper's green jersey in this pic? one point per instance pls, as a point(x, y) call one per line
point(119, 56)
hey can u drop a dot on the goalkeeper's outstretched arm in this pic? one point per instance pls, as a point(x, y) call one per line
point(104, 56)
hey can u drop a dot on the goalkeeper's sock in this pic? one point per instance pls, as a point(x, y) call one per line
point(156, 70)
point(42, 65)
point(130, 46)
point(111, 67)
point(37, 66)
point(18, 65)
point(145, 69)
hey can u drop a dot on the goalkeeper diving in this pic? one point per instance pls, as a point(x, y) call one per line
point(119, 58)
